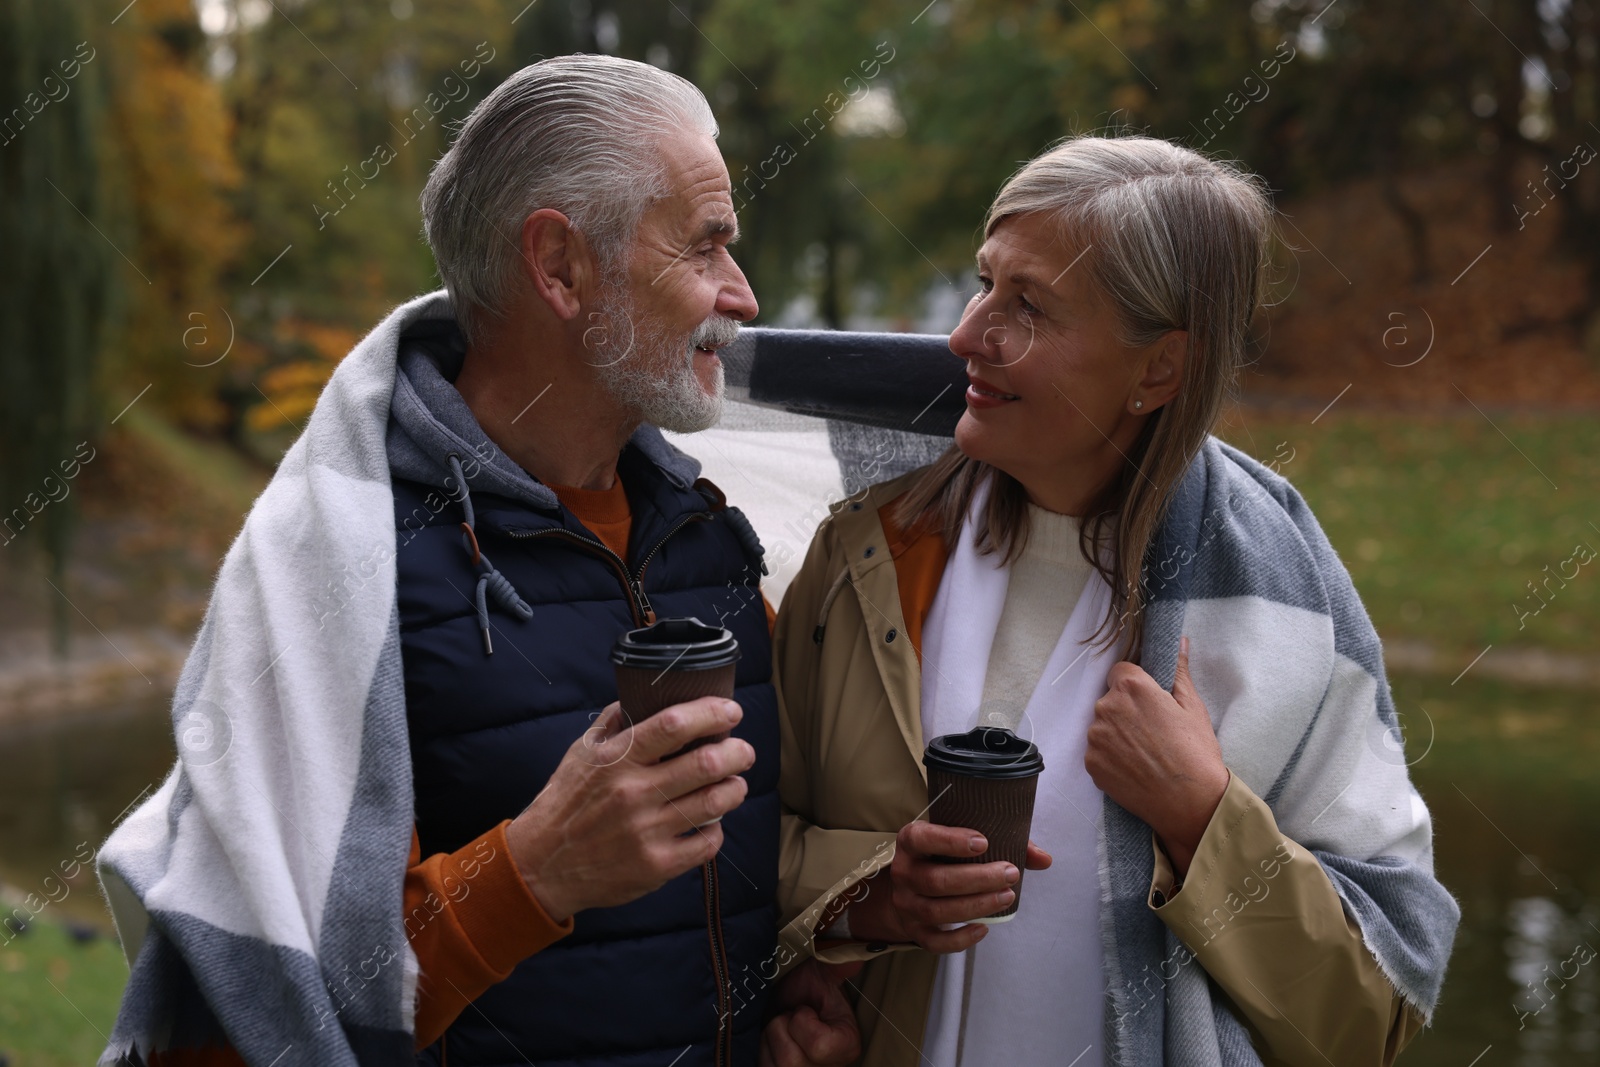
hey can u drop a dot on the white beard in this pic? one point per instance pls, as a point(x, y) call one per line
point(649, 368)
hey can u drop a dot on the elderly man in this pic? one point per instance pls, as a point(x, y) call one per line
point(411, 639)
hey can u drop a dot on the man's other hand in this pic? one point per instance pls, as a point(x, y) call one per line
point(815, 1024)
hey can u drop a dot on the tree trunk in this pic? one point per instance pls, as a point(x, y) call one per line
point(1414, 224)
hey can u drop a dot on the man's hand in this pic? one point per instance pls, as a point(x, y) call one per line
point(1156, 754)
point(815, 1024)
point(920, 894)
point(610, 825)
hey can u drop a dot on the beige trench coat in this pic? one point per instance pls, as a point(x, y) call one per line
point(849, 688)
point(851, 705)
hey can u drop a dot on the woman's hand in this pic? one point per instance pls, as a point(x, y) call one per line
point(1156, 754)
point(920, 896)
point(815, 1024)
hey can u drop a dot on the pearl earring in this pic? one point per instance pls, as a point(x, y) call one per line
point(1137, 404)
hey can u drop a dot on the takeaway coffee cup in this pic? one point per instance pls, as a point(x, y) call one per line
point(984, 780)
point(671, 662)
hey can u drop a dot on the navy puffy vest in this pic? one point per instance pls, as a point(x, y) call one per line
point(663, 980)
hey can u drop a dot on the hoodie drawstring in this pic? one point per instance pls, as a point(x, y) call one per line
point(490, 580)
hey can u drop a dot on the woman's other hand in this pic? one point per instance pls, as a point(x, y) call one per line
point(815, 1024)
point(925, 899)
point(1156, 754)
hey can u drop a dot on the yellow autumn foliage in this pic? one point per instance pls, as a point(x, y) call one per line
point(289, 390)
point(173, 138)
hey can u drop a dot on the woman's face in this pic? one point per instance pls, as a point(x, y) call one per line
point(1052, 393)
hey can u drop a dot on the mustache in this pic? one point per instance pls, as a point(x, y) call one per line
point(716, 331)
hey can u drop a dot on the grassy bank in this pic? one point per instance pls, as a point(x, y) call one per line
point(58, 997)
point(1444, 520)
point(157, 508)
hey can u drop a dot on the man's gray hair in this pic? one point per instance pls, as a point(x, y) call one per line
point(576, 133)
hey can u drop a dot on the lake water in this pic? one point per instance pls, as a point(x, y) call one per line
point(1509, 774)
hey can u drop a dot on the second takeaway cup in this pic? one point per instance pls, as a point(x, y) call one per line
point(672, 662)
point(985, 780)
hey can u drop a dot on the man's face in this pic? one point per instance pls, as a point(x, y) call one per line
point(679, 298)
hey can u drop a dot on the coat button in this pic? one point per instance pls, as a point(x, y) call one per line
point(868, 553)
point(890, 636)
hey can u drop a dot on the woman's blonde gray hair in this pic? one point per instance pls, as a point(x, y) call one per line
point(1173, 241)
point(577, 133)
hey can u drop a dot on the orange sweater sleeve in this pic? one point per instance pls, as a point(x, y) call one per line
point(470, 919)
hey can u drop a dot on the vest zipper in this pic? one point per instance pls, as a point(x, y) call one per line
point(645, 615)
point(698, 516)
point(719, 965)
point(713, 890)
point(638, 602)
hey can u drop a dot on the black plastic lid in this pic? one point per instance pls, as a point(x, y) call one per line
point(676, 644)
point(984, 752)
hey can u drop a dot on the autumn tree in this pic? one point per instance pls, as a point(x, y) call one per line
point(175, 177)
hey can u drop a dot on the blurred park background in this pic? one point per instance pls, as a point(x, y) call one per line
point(204, 204)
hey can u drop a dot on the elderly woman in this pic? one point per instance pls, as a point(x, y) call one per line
point(1230, 865)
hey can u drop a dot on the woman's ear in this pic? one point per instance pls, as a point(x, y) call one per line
point(557, 261)
point(1163, 372)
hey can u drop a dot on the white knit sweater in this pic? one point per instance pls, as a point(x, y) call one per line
point(1046, 581)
